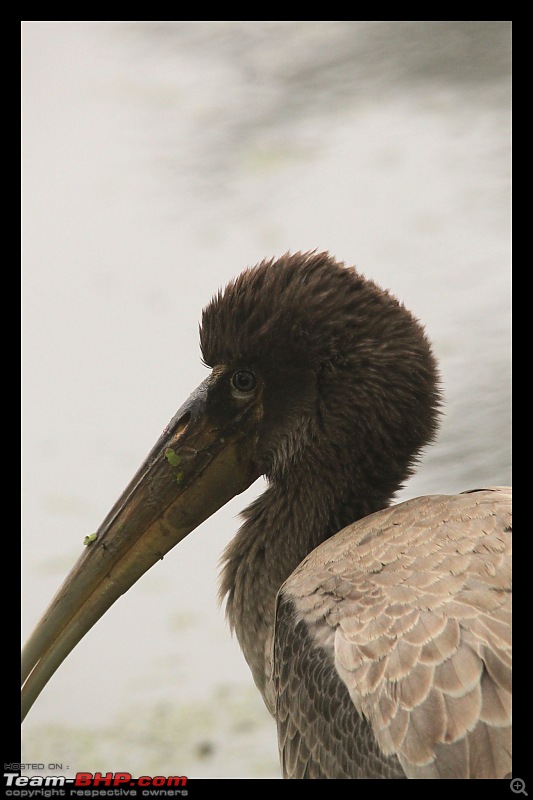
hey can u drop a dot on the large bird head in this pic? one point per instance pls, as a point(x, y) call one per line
point(339, 375)
point(316, 371)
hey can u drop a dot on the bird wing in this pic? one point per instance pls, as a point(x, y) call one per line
point(393, 645)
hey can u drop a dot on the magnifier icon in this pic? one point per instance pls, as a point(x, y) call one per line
point(518, 786)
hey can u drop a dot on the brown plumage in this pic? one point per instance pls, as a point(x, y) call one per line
point(412, 607)
point(378, 634)
point(399, 624)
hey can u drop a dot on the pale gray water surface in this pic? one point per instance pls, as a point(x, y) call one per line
point(160, 159)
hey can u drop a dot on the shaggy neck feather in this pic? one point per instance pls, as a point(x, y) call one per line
point(281, 527)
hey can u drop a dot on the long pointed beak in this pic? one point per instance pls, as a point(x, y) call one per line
point(196, 466)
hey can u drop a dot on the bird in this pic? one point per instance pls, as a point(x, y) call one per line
point(377, 632)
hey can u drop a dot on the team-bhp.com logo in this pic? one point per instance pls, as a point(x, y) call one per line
point(16, 784)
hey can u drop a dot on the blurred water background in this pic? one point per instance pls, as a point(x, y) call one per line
point(159, 160)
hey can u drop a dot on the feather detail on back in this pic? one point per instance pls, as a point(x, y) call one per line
point(409, 612)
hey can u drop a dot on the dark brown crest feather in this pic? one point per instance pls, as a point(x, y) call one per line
point(308, 305)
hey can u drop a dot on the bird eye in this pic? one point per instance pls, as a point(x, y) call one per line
point(243, 380)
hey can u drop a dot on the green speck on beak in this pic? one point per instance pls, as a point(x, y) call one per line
point(173, 459)
point(89, 539)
